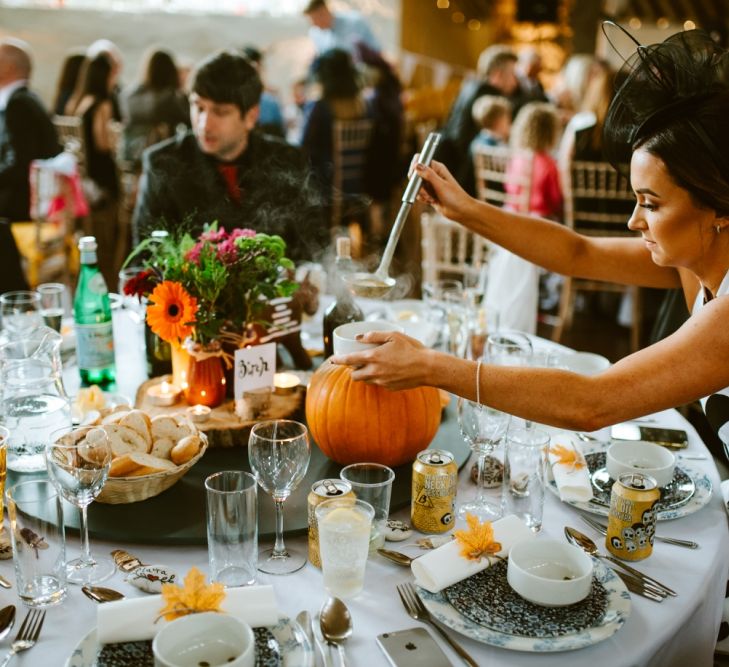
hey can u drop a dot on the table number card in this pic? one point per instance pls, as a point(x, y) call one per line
point(254, 368)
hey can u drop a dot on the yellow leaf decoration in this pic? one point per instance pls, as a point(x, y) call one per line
point(568, 456)
point(478, 541)
point(195, 596)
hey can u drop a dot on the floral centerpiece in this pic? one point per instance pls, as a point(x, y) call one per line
point(203, 294)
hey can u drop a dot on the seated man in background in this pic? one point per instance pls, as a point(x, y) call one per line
point(226, 170)
point(26, 134)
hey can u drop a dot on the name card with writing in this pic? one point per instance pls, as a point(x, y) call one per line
point(254, 368)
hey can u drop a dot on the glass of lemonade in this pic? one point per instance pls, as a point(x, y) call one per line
point(344, 535)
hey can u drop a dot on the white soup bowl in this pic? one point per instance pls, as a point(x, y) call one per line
point(641, 457)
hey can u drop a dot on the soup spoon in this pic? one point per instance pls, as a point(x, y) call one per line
point(335, 622)
point(101, 594)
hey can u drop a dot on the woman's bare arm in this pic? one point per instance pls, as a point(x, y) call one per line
point(545, 243)
point(686, 366)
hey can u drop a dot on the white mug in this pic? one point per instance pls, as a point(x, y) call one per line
point(345, 335)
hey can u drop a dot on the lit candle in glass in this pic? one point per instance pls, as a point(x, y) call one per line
point(285, 383)
point(199, 413)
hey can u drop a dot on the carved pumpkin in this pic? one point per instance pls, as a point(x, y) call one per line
point(353, 421)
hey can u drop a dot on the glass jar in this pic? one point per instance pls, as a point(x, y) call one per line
point(205, 381)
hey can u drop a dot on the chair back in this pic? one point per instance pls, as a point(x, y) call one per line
point(351, 144)
point(497, 166)
point(598, 199)
point(449, 250)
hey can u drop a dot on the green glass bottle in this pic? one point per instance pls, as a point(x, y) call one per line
point(92, 318)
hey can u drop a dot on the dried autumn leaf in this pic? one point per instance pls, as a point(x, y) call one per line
point(194, 596)
point(478, 540)
point(568, 456)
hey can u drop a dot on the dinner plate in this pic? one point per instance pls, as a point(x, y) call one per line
point(295, 648)
point(699, 498)
point(616, 613)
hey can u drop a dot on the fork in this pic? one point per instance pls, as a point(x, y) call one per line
point(416, 609)
point(601, 528)
point(27, 635)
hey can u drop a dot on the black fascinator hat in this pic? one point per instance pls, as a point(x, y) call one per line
point(672, 97)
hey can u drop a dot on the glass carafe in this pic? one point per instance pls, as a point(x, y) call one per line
point(33, 401)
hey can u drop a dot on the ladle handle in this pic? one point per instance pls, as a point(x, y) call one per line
point(408, 199)
point(426, 157)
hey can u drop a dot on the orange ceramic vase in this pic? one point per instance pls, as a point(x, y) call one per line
point(205, 382)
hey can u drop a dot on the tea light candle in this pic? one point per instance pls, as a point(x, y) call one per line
point(163, 394)
point(285, 383)
point(199, 413)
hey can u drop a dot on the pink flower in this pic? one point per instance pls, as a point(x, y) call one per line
point(239, 233)
point(227, 251)
point(193, 255)
point(213, 236)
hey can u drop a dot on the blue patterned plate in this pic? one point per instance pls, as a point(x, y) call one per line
point(700, 497)
point(293, 646)
point(618, 610)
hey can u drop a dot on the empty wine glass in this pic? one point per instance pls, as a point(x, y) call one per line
point(78, 461)
point(278, 451)
point(482, 428)
point(435, 295)
point(20, 312)
point(509, 348)
point(52, 297)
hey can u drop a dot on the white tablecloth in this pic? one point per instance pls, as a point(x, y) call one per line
point(680, 631)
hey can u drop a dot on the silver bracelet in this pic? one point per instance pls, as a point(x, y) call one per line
point(478, 381)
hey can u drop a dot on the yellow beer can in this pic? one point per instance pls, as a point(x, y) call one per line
point(632, 517)
point(435, 480)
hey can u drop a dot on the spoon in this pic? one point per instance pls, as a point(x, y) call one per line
point(336, 624)
point(4, 582)
point(304, 620)
point(396, 557)
point(7, 618)
point(586, 544)
point(377, 284)
point(101, 594)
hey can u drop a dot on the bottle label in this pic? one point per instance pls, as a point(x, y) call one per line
point(97, 285)
point(94, 345)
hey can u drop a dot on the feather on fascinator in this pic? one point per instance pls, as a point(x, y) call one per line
point(665, 85)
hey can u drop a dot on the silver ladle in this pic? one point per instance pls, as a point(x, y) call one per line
point(377, 284)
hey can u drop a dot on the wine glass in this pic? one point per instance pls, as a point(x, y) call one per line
point(20, 312)
point(278, 451)
point(52, 297)
point(510, 348)
point(438, 296)
point(482, 428)
point(78, 461)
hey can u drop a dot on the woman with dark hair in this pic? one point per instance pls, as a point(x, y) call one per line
point(67, 82)
point(341, 99)
point(102, 183)
point(153, 109)
point(668, 119)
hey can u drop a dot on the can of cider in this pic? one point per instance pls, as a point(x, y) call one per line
point(324, 489)
point(632, 518)
point(435, 479)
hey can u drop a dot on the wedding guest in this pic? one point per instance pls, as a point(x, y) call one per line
point(668, 119)
point(492, 113)
point(26, 134)
point(67, 81)
point(338, 30)
point(528, 68)
point(226, 170)
point(154, 108)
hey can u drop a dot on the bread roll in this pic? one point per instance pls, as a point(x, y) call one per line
point(162, 447)
point(166, 426)
point(125, 440)
point(148, 464)
point(184, 450)
point(141, 423)
point(122, 466)
point(114, 417)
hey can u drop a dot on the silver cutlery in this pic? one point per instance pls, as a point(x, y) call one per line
point(304, 620)
point(602, 528)
point(416, 609)
point(583, 541)
point(7, 618)
point(27, 635)
point(4, 582)
point(634, 585)
point(396, 557)
point(101, 594)
point(335, 623)
point(325, 648)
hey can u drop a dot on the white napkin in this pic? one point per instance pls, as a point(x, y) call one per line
point(574, 484)
point(445, 566)
point(133, 619)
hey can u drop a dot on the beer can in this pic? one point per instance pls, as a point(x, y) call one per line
point(324, 489)
point(632, 518)
point(435, 479)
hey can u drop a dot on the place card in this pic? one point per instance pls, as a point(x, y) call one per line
point(254, 368)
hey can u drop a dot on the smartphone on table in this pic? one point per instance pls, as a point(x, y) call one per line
point(414, 647)
point(672, 438)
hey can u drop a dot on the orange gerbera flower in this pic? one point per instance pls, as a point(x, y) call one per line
point(171, 311)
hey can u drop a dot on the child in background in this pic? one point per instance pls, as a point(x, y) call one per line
point(492, 114)
point(537, 128)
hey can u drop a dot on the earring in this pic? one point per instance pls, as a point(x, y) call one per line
point(718, 229)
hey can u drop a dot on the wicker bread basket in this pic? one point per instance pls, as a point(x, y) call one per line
point(121, 490)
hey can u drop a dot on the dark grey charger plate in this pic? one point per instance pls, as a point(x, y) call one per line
point(177, 516)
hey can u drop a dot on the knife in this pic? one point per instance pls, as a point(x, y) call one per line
point(304, 620)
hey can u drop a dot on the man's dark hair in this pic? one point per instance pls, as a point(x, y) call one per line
point(313, 5)
point(228, 78)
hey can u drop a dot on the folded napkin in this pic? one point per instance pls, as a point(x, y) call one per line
point(445, 566)
point(569, 469)
point(134, 619)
